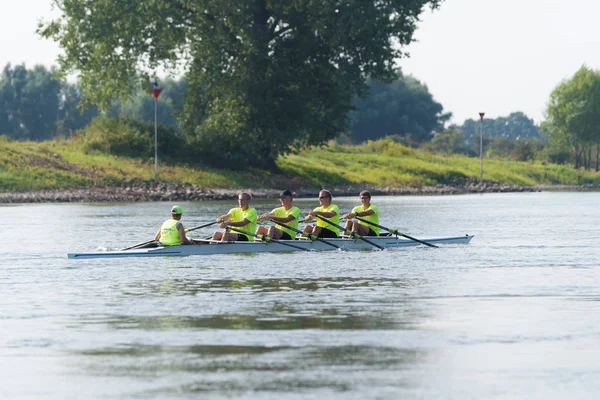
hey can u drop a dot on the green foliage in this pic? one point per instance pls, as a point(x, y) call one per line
point(37, 106)
point(61, 164)
point(404, 107)
point(141, 105)
point(450, 141)
point(574, 114)
point(30, 102)
point(517, 126)
point(130, 138)
point(265, 78)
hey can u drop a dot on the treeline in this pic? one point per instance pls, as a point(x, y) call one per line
point(515, 136)
point(36, 105)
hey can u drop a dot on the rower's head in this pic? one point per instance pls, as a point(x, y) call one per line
point(176, 212)
point(244, 200)
point(325, 197)
point(365, 197)
point(286, 198)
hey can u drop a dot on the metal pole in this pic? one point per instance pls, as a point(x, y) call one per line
point(156, 138)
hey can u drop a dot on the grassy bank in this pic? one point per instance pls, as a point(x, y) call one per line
point(62, 164)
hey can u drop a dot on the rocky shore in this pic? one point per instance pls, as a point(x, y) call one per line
point(156, 191)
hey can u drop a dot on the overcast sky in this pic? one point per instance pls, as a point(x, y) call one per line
point(474, 55)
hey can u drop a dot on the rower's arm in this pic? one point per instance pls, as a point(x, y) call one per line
point(243, 222)
point(182, 238)
point(361, 214)
point(287, 218)
point(326, 214)
point(223, 218)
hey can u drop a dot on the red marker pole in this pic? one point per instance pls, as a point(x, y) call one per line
point(481, 145)
point(155, 94)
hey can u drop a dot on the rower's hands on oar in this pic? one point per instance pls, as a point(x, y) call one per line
point(350, 215)
point(311, 215)
point(264, 216)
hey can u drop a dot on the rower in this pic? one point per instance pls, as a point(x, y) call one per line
point(365, 211)
point(172, 233)
point(242, 217)
point(325, 210)
point(287, 214)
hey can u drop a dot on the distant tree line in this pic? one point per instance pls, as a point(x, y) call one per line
point(36, 105)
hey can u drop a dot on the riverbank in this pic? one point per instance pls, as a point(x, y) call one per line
point(62, 171)
point(153, 191)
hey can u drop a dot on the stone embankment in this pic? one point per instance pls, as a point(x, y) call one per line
point(156, 191)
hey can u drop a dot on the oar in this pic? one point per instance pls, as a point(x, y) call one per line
point(353, 234)
point(201, 226)
point(264, 238)
point(138, 245)
point(395, 232)
point(152, 241)
point(310, 235)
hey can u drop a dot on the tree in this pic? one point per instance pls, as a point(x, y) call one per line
point(516, 126)
point(404, 107)
point(30, 102)
point(71, 116)
point(265, 77)
point(449, 141)
point(574, 115)
point(141, 105)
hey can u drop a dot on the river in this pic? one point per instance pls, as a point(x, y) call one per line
point(515, 314)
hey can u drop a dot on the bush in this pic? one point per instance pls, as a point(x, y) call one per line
point(130, 138)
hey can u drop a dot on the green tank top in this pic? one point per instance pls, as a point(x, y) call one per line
point(169, 234)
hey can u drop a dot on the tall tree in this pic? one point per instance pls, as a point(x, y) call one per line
point(574, 115)
point(404, 107)
point(265, 76)
point(30, 100)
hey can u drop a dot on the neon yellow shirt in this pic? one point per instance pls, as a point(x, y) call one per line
point(169, 235)
point(335, 219)
point(237, 214)
point(374, 218)
point(282, 212)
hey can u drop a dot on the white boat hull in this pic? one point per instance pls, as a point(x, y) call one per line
point(269, 247)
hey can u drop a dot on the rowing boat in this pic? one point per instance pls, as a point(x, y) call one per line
point(210, 248)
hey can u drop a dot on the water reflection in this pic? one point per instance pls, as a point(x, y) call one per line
point(215, 369)
point(192, 287)
point(326, 319)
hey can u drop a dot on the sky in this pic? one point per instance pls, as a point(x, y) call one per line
point(474, 56)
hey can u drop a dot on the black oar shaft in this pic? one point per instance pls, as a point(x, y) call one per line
point(138, 245)
point(353, 234)
point(310, 235)
point(201, 226)
point(269, 240)
point(395, 232)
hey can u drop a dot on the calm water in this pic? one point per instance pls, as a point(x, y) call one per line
point(514, 314)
